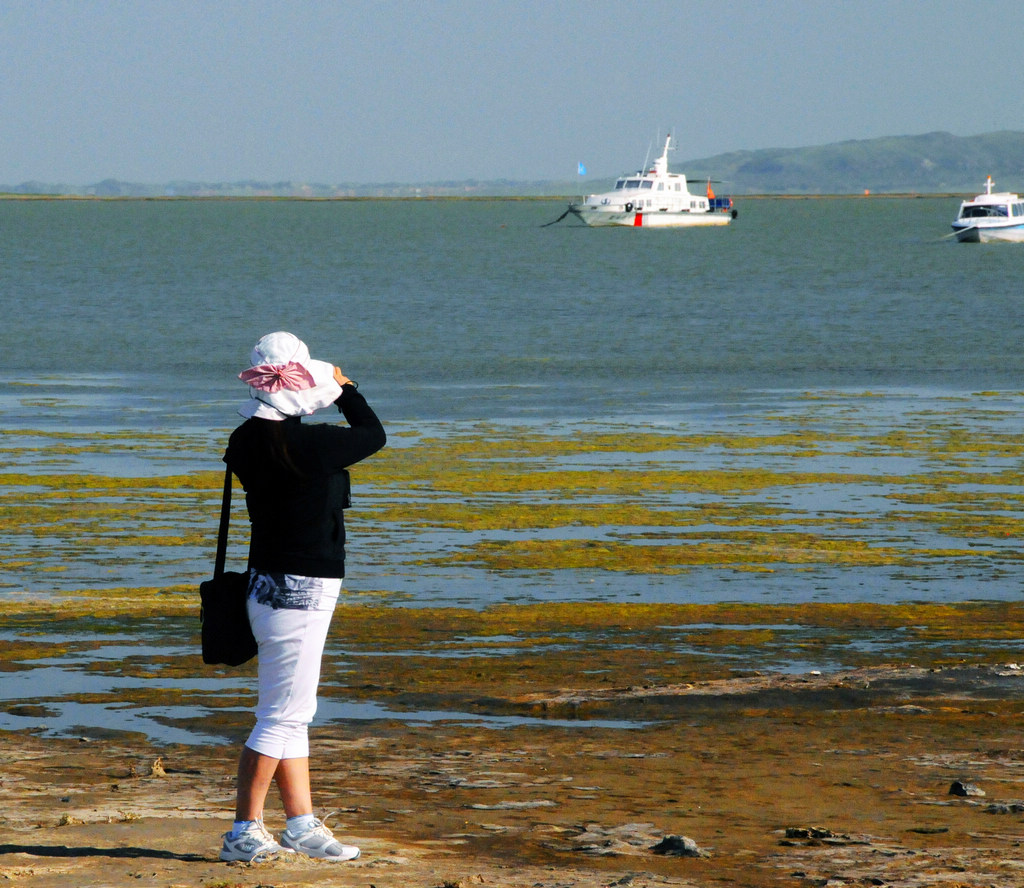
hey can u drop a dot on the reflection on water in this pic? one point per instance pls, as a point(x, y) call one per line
point(85, 692)
point(39, 700)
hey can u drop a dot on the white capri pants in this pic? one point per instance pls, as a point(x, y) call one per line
point(291, 645)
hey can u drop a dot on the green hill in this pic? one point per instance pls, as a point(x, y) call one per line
point(934, 162)
point(927, 164)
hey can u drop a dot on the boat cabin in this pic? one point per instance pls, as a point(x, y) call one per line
point(990, 210)
point(648, 184)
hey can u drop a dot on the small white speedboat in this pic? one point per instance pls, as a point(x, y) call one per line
point(654, 198)
point(992, 216)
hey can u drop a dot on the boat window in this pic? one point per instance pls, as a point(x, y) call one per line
point(1018, 209)
point(647, 185)
point(678, 187)
point(661, 186)
point(982, 211)
point(633, 183)
point(620, 184)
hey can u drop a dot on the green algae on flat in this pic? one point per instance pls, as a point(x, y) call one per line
point(437, 651)
point(384, 627)
point(130, 602)
point(513, 499)
point(514, 515)
point(466, 480)
point(742, 549)
point(72, 485)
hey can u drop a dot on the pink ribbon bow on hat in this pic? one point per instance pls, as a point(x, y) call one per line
point(272, 378)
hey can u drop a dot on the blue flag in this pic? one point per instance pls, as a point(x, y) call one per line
point(582, 170)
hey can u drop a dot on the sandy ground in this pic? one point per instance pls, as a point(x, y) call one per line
point(800, 781)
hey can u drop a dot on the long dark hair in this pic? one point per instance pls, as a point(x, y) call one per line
point(279, 452)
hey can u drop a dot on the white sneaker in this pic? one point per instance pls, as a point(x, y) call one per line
point(253, 845)
point(318, 841)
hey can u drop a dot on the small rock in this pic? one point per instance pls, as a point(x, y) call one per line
point(813, 832)
point(1005, 808)
point(679, 846)
point(960, 788)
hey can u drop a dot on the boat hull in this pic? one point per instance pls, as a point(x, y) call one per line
point(987, 234)
point(598, 218)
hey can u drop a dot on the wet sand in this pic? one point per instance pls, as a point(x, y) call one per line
point(813, 780)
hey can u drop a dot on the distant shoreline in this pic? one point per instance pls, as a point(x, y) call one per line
point(10, 196)
point(927, 165)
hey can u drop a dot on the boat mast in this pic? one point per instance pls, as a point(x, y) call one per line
point(647, 157)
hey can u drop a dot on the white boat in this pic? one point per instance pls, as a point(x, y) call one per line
point(992, 216)
point(654, 198)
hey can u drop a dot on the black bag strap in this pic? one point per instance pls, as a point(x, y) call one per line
point(225, 520)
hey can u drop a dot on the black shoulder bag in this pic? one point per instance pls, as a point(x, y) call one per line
point(227, 635)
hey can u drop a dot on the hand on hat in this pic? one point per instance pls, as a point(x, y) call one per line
point(340, 377)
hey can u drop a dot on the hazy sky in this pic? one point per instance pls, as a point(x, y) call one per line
point(425, 90)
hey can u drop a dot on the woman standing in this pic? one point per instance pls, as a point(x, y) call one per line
point(296, 487)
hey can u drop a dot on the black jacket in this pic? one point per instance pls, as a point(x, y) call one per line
point(296, 485)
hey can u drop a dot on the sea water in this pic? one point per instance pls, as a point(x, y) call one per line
point(137, 315)
point(144, 311)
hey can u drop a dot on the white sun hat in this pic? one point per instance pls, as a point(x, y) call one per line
point(285, 381)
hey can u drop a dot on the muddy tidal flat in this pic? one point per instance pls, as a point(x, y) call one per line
point(885, 775)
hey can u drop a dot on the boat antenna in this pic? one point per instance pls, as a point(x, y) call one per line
point(650, 148)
